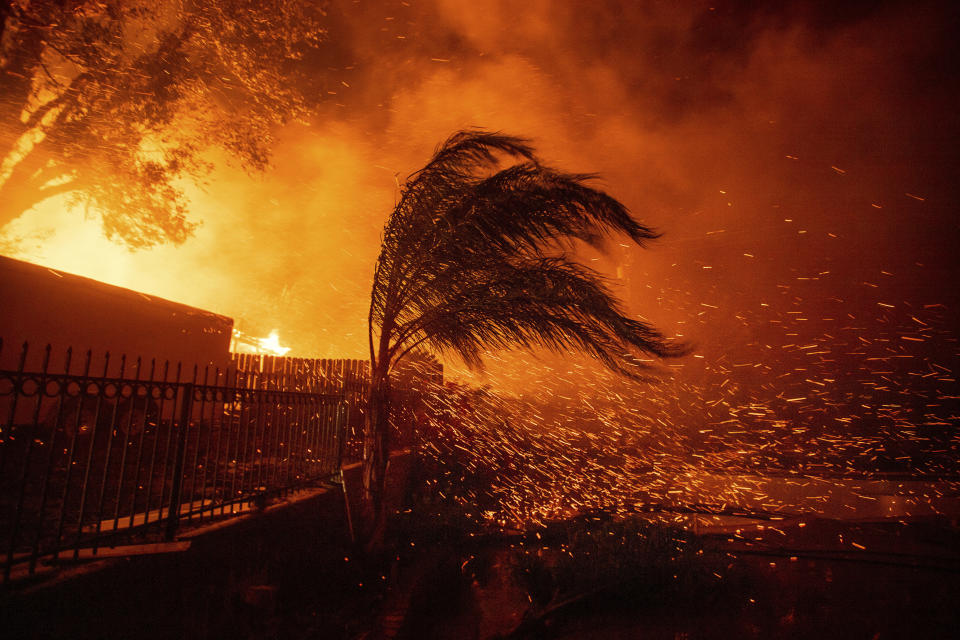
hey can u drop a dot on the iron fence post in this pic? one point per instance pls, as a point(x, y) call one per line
point(338, 434)
point(173, 513)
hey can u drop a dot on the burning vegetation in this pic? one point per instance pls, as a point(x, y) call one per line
point(811, 280)
point(798, 160)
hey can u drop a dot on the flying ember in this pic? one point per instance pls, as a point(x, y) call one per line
point(679, 268)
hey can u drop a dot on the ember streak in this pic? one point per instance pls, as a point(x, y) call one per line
point(833, 424)
point(798, 157)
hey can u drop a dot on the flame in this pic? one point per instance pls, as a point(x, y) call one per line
point(243, 343)
point(271, 344)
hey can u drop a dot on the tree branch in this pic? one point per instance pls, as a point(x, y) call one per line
point(69, 93)
point(16, 199)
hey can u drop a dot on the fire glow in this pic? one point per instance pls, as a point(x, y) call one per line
point(243, 343)
point(807, 250)
point(849, 421)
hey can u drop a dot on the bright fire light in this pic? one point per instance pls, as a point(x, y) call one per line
point(243, 343)
point(271, 344)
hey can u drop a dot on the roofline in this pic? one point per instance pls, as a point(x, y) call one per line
point(8, 264)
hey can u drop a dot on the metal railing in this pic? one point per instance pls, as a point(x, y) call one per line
point(127, 453)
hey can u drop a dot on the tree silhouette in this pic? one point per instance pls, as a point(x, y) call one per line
point(475, 256)
point(115, 102)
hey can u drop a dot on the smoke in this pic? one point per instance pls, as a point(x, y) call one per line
point(290, 250)
point(786, 154)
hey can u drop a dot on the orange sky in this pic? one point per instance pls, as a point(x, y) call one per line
point(787, 154)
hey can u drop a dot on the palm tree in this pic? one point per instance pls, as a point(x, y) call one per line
point(474, 257)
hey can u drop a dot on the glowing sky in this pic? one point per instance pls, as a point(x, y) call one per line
point(804, 151)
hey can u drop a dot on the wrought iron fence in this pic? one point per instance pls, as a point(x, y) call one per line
point(130, 451)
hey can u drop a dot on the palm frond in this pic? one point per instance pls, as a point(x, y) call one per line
point(543, 302)
point(470, 261)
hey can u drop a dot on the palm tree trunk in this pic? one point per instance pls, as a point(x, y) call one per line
point(376, 433)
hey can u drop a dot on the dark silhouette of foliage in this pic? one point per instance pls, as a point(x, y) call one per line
point(115, 102)
point(476, 255)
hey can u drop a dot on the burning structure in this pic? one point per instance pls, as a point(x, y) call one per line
point(153, 421)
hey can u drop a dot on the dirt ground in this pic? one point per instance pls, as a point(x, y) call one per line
point(812, 579)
